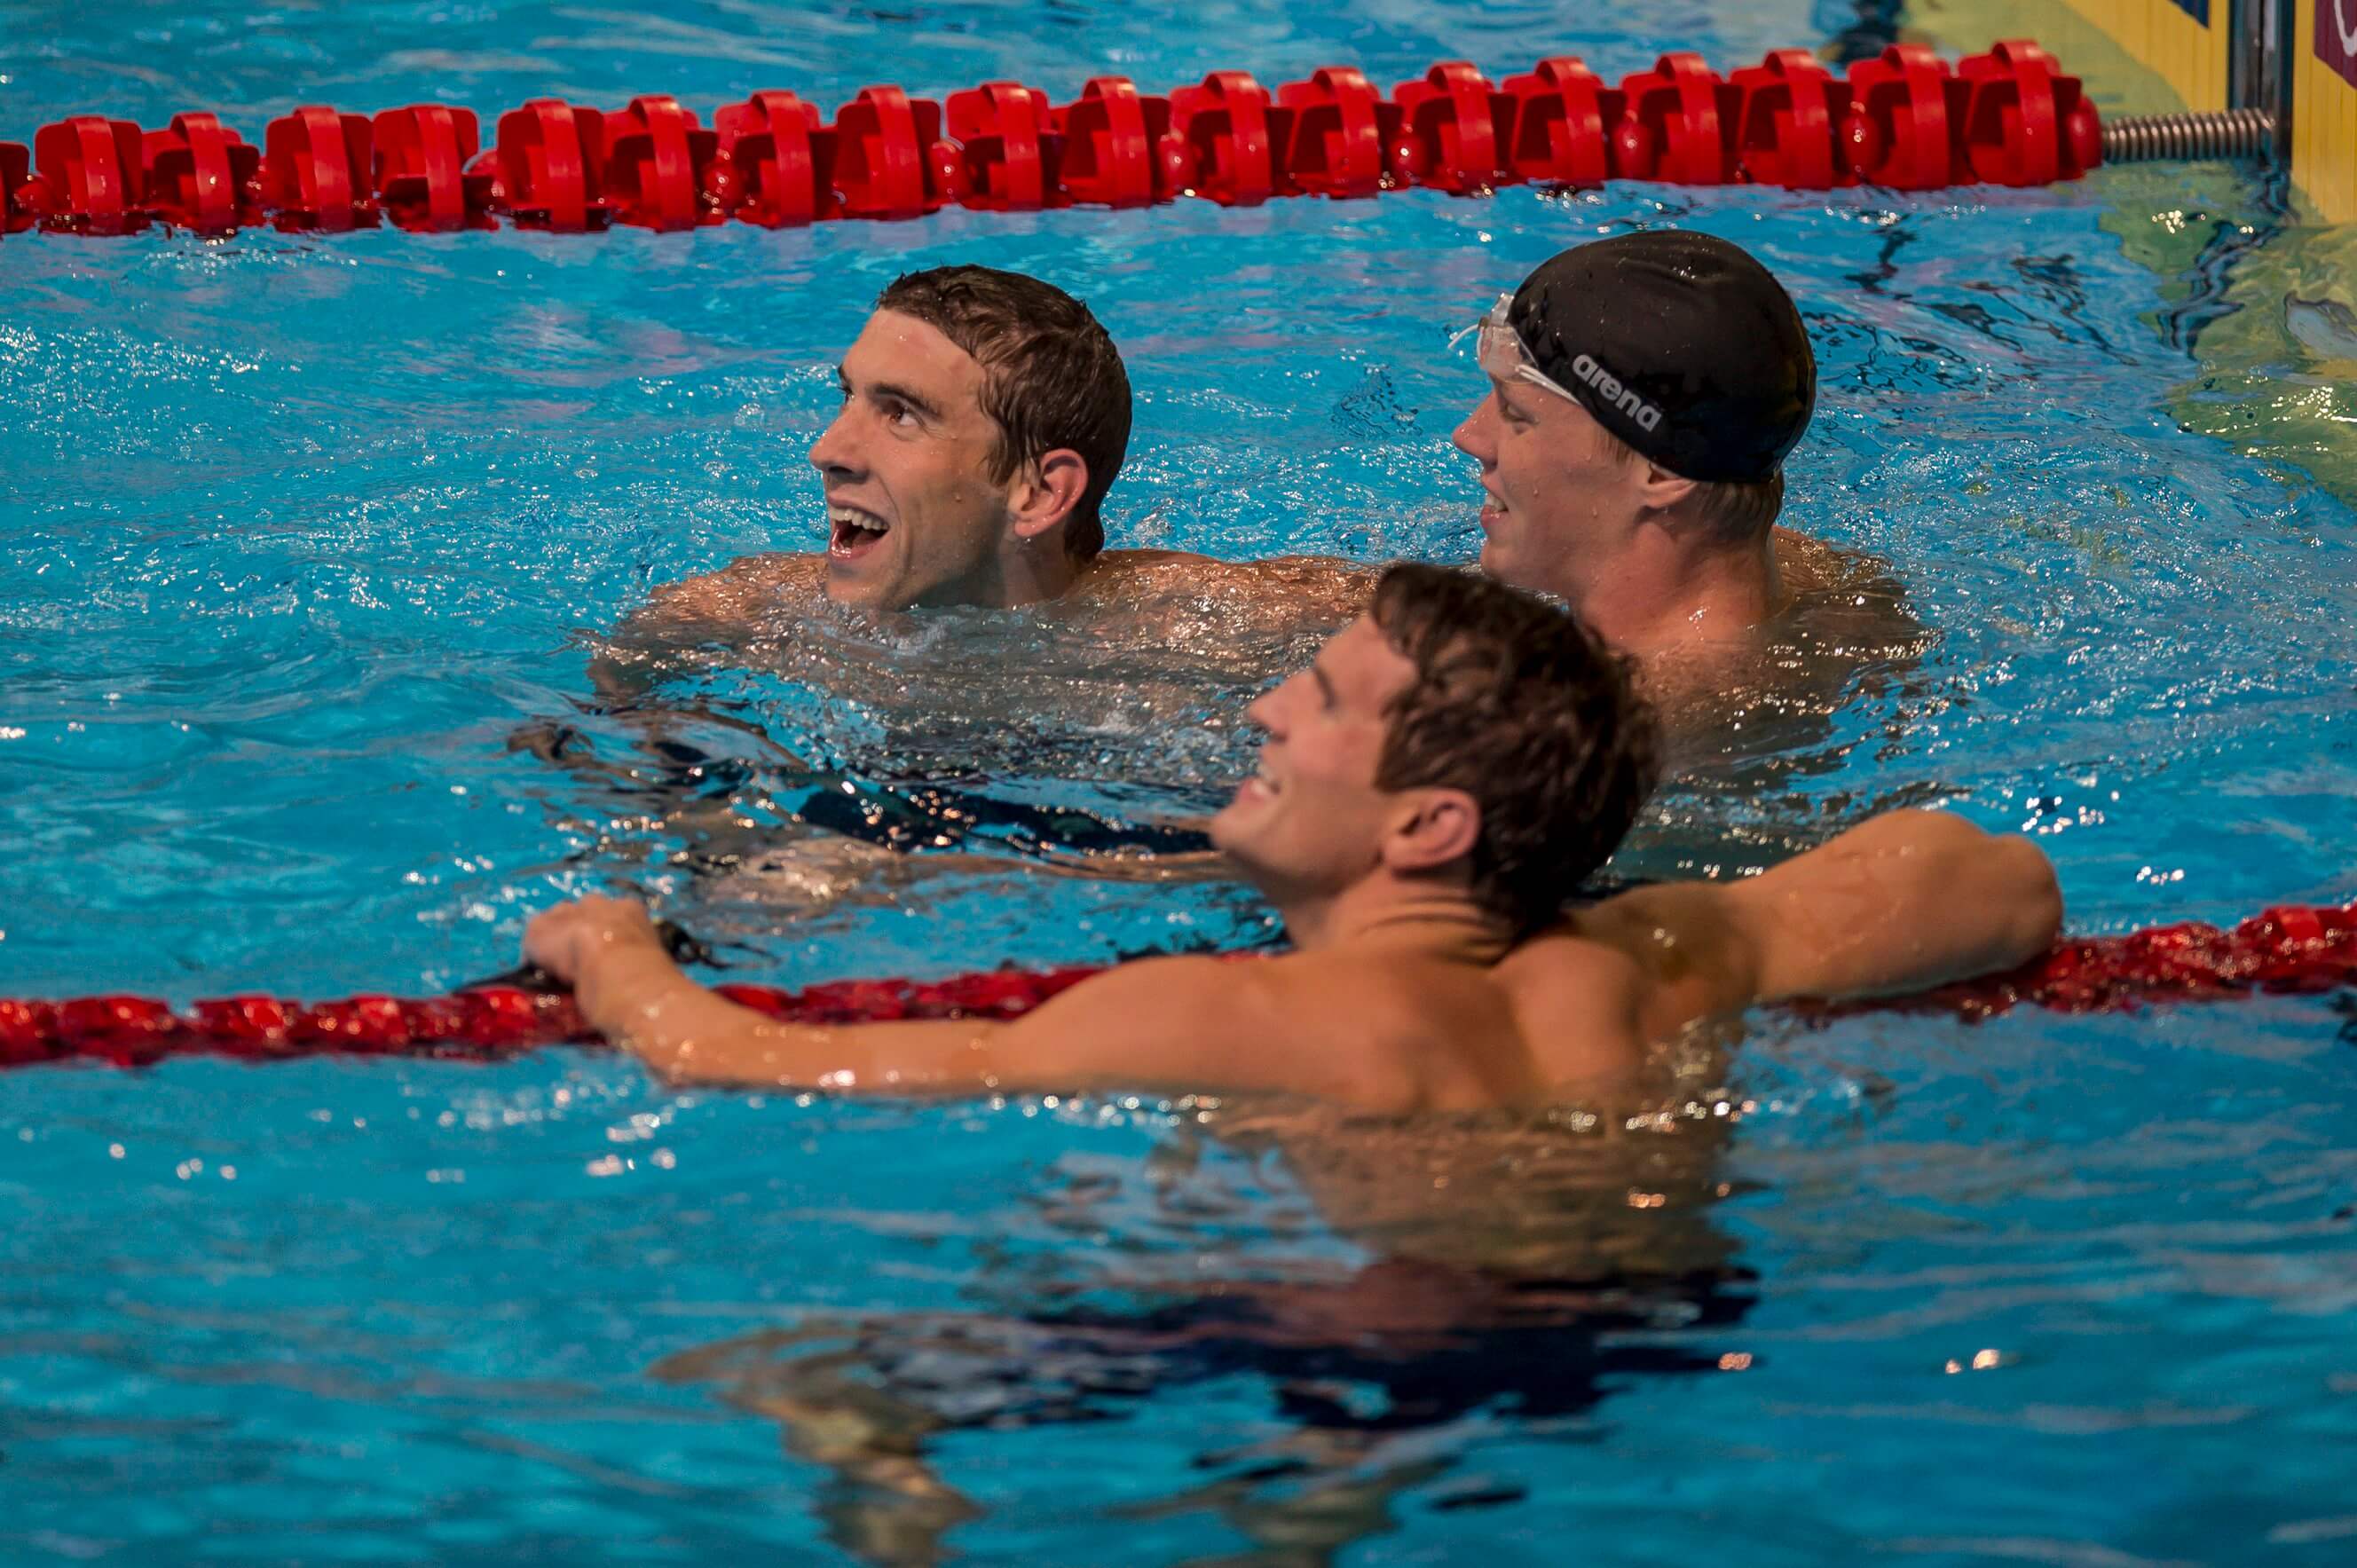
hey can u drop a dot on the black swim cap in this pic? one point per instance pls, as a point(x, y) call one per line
point(1680, 344)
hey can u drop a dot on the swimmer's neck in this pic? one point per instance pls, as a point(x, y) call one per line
point(1418, 919)
point(1021, 573)
point(1662, 593)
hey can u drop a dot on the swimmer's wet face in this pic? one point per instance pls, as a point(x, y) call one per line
point(1559, 495)
point(913, 514)
point(1311, 821)
point(1456, 707)
point(1644, 391)
point(985, 416)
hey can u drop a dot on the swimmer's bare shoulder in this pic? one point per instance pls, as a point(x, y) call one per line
point(1378, 1030)
point(1434, 1035)
point(1313, 590)
point(719, 603)
point(710, 610)
point(1842, 623)
point(1846, 598)
point(1903, 902)
point(1382, 1035)
point(1337, 1026)
point(1579, 1013)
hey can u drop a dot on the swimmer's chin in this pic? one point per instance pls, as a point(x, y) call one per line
point(848, 593)
point(1495, 560)
point(1228, 825)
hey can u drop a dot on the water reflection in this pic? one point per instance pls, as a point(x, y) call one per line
point(2277, 350)
point(1517, 1272)
point(771, 739)
point(793, 754)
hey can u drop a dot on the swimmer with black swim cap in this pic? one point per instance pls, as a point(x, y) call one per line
point(1644, 392)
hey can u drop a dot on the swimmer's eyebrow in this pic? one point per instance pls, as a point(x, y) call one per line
point(917, 401)
point(1508, 405)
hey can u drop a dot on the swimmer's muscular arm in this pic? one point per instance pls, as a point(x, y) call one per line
point(716, 607)
point(1183, 1023)
point(1903, 902)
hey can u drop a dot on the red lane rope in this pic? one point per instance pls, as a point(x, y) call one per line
point(2291, 950)
point(1904, 120)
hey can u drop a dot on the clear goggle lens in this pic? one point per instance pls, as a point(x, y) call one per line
point(1501, 353)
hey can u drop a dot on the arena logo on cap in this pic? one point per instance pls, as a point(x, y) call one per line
point(1607, 386)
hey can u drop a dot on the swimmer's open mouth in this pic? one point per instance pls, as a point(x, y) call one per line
point(855, 531)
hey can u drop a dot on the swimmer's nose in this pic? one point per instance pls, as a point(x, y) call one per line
point(1267, 713)
point(830, 453)
point(1472, 435)
point(1258, 714)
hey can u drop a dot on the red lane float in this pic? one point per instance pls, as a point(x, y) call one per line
point(2290, 951)
point(1903, 119)
point(90, 177)
point(1336, 129)
point(1110, 137)
point(424, 174)
point(1005, 137)
point(1563, 117)
point(886, 163)
point(773, 164)
point(549, 168)
point(319, 170)
point(1786, 112)
point(1676, 126)
point(1899, 132)
point(1222, 144)
point(2021, 120)
point(15, 172)
point(659, 168)
point(1454, 130)
point(200, 175)
point(484, 1023)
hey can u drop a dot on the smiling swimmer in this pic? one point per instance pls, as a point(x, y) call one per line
point(1452, 763)
point(1644, 392)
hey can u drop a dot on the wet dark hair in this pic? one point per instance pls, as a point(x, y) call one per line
point(1050, 375)
point(1519, 705)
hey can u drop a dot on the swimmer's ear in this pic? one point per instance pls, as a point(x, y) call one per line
point(1431, 829)
point(1663, 491)
point(1045, 493)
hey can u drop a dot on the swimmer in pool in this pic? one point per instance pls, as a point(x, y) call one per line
point(1644, 392)
point(984, 416)
point(1450, 765)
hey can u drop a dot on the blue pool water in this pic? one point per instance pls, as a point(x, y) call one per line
point(301, 539)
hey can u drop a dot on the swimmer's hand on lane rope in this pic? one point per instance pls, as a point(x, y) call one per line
point(552, 942)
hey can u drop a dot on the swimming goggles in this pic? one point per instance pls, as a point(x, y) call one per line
point(1501, 353)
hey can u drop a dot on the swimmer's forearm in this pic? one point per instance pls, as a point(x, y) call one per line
point(1904, 902)
point(643, 1002)
point(1187, 1023)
